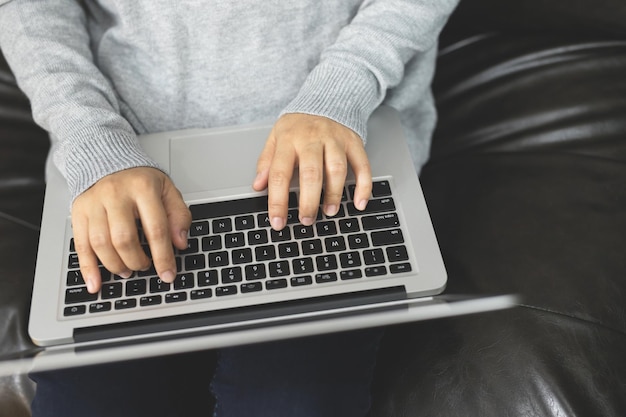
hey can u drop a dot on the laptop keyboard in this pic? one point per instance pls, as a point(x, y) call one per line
point(233, 251)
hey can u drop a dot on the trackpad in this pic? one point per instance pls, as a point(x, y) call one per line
point(217, 160)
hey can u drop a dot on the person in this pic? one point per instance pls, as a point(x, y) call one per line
point(100, 72)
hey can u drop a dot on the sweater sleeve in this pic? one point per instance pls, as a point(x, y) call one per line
point(369, 58)
point(47, 45)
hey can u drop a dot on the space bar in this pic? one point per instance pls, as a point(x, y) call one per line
point(235, 207)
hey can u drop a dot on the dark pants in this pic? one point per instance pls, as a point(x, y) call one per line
point(317, 376)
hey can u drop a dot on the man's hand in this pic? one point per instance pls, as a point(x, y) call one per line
point(104, 225)
point(322, 150)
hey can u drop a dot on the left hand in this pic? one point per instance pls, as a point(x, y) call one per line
point(321, 149)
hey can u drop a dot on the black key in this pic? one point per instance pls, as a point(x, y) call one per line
point(358, 241)
point(325, 277)
point(150, 272)
point(279, 268)
point(199, 228)
point(79, 295)
point(193, 262)
point(350, 259)
point(242, 256)
point(373, 271)
point(300, 281)
point(381, 189)
point(222, 225)
point(387, 237)
point(335, 244)
point(234, 240)
point(311, 247)
point(126, 303)
point(302, 265)
point(74, 278)
point(274, 284)
point(326, 262)
point(349, 225)
point(373, 256)
point(326, 228)
point(184, 281)
point(150, 300)
point(211, 243)
point(251, 287)
point(397, 253)
point(175, 297)
point(200, 294)
point(235, 207)
point(105, 275)
point(99, 307)
point(112, 290)
point(380, 221)
point(74, 310)
point(302, 232)
point(263, 220)
point(156, 285)
point(374, 206)
point(257, 237)
point(72, 262)
point(288, 250)
point(281, 235)
point(292, 216)
point(351, 274)
point(226, 290)
point(256, 271)
point(72, 247)
point(399, 268)
point(264, 253)
point(230, 275)
point(135, 287)
point(244, 222)
point(206, 278)
point(217, 259)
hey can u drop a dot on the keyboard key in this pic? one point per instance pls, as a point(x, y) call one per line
point(288, 250)
point(326, 262)
point(302, 232)
point(72, 262)
point(136, 287)
point(380, 221)
point(242, 256)
point(125, 304)
point(156, 285)
point(350, 225)
point(325, 277)
point(350, 259)
point(274, 284)
point(206, 278)
point(358, 241)
point(279, 268)
point(150, 300)
point(235, 207)
point(381, 189)
point(222, 225)
point(217, 259)
point(264, 253)
point(244, 222)
point(99, 307)
point(74, 310)
point(257, 237)
point(192, 247)
point(326, 228)
point(201, 294)
point(74, 278)
point(302, 265)
point(399, 268)
point(373, 256)
point(227, 290)
point(397, 253)
point(248, 287)
point(112, 290)
point(373, 206)
point(234, 240)
point(193, 262)
point(373, 271)
point(256, 271)
point(281, 235)
point(311, 247)
point(351, 274)
point(335, 244)
point(300, 281)
point(387, 237)
point(231, 275)
point(184, 281)
point(79, 295)
point(211, 243)
point(175, 297)
point(199, 228)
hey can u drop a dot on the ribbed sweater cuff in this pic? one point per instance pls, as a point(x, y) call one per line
point(95, 153)
point(344, 93)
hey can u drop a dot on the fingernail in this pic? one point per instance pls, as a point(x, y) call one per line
point(361, 204)
point(168, 276)
point(277, 223)
point(184, 234)
point(307, 221)
point(91, 287)
point(126, 274)
point(330, 209)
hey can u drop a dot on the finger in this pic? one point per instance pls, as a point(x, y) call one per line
point(100, 241)
point(87, 258)
point(357, 157)
point(336, 170)
point(178, 215)
point(157, 230)
point(124, 237)
point(311, 176)
point(279, 178)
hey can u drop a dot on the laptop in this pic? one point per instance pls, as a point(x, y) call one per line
point(239, 281)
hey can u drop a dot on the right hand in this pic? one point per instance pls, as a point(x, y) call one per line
point(104, 225)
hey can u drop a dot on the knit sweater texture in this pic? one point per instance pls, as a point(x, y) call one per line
point(100, 72)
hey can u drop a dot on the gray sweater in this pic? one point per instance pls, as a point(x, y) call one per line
point(99, 72)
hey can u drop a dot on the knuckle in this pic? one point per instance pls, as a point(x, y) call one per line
point(157, 232)
point(99, 240)
point(310, 174)
point(123, 240)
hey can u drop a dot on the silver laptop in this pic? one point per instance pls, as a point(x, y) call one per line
point(239, 281)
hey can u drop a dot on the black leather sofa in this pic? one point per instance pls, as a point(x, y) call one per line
point(527, 191)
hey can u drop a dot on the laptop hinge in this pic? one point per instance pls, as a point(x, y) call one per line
point(335, 305)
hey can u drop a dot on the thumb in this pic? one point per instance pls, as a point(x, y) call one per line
point(178, 214)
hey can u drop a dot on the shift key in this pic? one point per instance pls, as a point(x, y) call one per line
point(79, 295)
